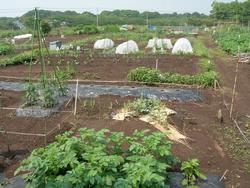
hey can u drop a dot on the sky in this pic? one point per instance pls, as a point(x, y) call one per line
point(13, 8)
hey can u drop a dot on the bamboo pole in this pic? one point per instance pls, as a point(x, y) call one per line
point(235, 84)
point(224, 174)
point(55, 128)
point(24, 134)
point(76, 97)
point(233, 120)
point(156, 64)
point(58, 111)
point(45, 132)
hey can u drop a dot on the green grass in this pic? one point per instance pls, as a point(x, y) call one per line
point(200, 49)
point(17, 59)
point(5, 49)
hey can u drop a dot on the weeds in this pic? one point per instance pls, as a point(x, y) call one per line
point(68, 73)
point(89, 106)
point(89, 76)
point(143, 106)
point(200, 49)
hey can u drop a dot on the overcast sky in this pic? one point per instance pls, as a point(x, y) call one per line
point(13, 8)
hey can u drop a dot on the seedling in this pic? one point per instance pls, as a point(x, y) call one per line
point(192, 173)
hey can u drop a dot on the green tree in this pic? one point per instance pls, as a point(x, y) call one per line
point(46, 28)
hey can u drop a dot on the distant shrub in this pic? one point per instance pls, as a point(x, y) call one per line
point(111, 29)
point(89, 29)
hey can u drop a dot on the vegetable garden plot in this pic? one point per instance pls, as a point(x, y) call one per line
point(107, 68)
point(92, 113)
point(19, 136)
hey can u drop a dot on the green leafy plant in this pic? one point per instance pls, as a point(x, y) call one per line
point(48, 97)
point(47, 92)
point(31, 95)
point(152, 107)
point(5, 48)
point(65, 74)
point(148, 75)
point(229, 38)
point(91, 158)
point(191, 172)
point(143, 74)
point(89, 57)
point(143, 105)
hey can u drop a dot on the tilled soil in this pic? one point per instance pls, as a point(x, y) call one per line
point(108, 68)
point(195, 120)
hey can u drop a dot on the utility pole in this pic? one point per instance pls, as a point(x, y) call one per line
point(147, 20)
point(97, 18)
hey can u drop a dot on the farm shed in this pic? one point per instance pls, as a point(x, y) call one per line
point(182, 45)
point(55, 45)
point(128, 47)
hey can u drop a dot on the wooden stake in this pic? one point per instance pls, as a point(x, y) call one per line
point(45, 133)
point(24, 134)
point(156, 64)
point(223, 176)
point(76, 97)
point(8, 143)
point(235, 83)
point(215, 84)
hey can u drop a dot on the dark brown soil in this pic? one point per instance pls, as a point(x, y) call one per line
point(108, 68)
point(196, 120)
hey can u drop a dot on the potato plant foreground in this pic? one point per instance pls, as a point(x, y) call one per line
point(88, 158)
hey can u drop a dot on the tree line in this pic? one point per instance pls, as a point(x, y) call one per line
point(235, 11)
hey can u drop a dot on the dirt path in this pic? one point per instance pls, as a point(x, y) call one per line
point(226, 65)
point(228, 137)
